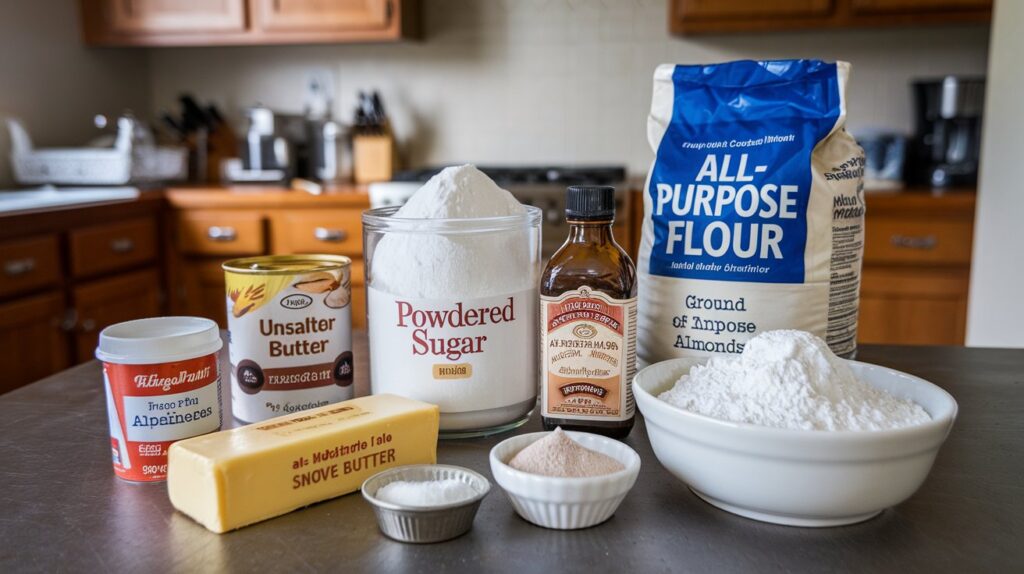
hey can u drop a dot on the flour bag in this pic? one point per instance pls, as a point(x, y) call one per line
point(753, 208)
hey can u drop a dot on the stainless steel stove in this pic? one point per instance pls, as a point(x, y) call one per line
point(544, 187)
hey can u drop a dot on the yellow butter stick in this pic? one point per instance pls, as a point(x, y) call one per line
point(233, 478)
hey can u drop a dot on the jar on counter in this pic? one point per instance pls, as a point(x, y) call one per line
point(452, 314)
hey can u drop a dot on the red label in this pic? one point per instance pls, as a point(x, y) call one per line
point(152, 406)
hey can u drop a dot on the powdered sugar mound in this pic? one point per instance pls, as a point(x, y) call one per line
point(559, 455)
point(432, 266)
point(790, 379)
point(425, 493)
point(457, 193)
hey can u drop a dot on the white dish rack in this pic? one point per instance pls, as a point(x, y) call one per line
point(115, 165)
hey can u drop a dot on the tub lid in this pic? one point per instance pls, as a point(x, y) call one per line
point(158, 340)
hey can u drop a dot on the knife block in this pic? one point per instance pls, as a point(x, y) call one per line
point(373, 157)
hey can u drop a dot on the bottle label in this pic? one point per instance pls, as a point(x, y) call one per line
point(589, 355)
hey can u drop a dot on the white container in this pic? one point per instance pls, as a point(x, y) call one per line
point(565, 503)
point(162, 381)
point(795, 477)
point(452, 308)
point(71, 166)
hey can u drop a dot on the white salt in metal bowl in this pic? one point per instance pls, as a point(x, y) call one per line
point(565, 503)
point(425, 524)
point(795, 477)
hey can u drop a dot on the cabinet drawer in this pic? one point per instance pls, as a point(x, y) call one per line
point(893, 240)
point(95, 250)
point(27, 264)
point(337, 231)
point(220, 232)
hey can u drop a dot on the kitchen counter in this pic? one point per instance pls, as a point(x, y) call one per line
point(63, 509)
point(264, 197)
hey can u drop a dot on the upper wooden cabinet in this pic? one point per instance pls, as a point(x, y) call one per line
point(234, 22)
point(291, 15)
point(716, 16)
point(174, 16)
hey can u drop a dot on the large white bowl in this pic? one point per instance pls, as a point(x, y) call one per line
point(565, 503)
point(795, 477)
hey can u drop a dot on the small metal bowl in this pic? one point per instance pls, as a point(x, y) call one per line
point(425, 524)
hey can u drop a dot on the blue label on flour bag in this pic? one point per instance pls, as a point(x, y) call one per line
point(732, 179)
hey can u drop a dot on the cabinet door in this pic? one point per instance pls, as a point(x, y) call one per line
point(203, 290)
point(175, 16)
point(724, 9)
point(32, 343)
point(104, 302)
point(917, 6)
point(913, 306)
point(292, 15)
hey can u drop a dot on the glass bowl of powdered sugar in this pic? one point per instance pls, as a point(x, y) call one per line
point(787, 432)
point(423, 503)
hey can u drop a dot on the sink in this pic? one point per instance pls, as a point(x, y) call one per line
point(33, 199)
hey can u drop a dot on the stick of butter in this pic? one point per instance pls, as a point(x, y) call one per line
point(233, 478)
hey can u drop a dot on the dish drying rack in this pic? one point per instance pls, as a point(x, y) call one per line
point(117, 165)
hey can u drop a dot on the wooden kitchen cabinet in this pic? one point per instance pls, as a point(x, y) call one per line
point(171, 16)
point(103, 302)
point(299, 15)
point(32, 342)
point(725, 16)
point(268, 221)
point(112, 246)
point(29, 264)
point(245, 22)
point(64, 277)
point(202, 292)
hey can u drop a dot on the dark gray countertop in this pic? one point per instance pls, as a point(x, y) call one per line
point(61, 509)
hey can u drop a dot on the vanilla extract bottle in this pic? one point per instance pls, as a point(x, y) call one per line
point(588, 322)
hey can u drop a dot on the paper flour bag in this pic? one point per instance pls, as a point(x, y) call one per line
point(753, 208)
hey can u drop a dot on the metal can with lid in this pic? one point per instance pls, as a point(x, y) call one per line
point(162, 381)
point(289, 333)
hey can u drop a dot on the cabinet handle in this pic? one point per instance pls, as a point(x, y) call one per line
point(88, 325)
point(923, 242)
point(18, 267)
point(122, 245)
point(221, 233)
point(330, 235)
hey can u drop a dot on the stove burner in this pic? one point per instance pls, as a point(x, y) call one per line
point(532, 175)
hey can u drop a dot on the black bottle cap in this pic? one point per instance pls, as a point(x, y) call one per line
point(590, 202)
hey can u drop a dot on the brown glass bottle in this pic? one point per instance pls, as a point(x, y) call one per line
point(588, 322)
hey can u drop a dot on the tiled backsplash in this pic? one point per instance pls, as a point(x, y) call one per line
point(516, 81)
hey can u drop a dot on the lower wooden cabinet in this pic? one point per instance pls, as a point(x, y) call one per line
point(913, 306)
point(202, 291)
point(104, 302)
point(32, 342)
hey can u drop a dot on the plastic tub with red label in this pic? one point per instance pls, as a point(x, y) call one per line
point(162, 380)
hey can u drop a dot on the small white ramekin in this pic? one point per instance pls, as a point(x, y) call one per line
point(565, 503)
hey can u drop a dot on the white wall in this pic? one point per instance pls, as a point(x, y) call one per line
point(995, 313)
point(516, 81)
point(51, 81)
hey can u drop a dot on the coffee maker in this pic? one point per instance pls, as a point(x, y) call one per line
point(947, 139)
